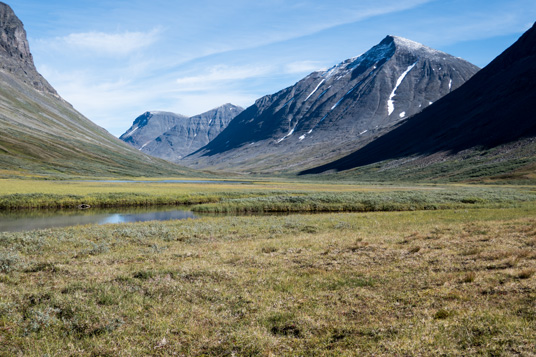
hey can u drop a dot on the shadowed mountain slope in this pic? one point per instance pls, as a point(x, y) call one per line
point(494, 107)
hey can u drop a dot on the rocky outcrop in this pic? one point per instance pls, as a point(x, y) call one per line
point(15, 56)
point(192, 134)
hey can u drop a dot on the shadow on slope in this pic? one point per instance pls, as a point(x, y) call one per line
point(496, 106)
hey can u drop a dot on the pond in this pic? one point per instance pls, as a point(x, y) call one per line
point(17, 221)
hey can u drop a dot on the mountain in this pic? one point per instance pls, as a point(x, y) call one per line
point(487, 127)
point(43, 135)
point(150, 125)
point(15, 56)
point(331, 113)
point(172, 136)
point(190, 134)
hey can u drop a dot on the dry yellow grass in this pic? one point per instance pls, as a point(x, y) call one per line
point(13, 186)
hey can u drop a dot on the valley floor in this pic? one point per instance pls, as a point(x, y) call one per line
point(444, 282)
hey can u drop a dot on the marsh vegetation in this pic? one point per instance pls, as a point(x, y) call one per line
point(458, 280)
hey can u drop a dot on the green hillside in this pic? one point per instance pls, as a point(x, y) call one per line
point(41, 134)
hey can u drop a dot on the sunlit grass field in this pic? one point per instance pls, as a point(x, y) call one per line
point(434, 270)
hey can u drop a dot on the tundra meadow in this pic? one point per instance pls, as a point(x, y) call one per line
point(342, 269)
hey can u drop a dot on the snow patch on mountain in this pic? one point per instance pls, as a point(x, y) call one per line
point(390, 103)
point(416, 46)
point(314, 90)
point(286, 136)
point(132, 131)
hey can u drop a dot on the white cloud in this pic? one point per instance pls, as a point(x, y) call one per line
point(303, 67)
point(221, 73)
point(110, 43)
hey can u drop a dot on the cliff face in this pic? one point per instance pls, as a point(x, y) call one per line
point(15, 56)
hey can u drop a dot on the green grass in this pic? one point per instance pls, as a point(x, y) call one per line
point(259, 196)
point(405, 200)
point(325, 284)
point(43, 136)
point(512, 163)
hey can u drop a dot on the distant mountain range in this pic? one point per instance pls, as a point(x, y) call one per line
point(172, 136)
point(331, 113)
point(486, 128)
point(43, 135)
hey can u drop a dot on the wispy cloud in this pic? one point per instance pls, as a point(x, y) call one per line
point(303, 67)
point(115, 60)
point(221, 73)
point(271, 22)
point(109, 44)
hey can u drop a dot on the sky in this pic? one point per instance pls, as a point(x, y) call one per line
point(114, 60)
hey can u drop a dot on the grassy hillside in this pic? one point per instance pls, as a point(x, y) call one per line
point(42, 135)
point(513, 163)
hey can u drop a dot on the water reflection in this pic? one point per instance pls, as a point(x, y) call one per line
point(39, 219)
point(143, 217)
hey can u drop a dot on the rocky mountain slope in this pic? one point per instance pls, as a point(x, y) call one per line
point(149, 126)
point(15, 56)
point(172, 136)
point(486, 127)
point(41, 134)
point(331, 113)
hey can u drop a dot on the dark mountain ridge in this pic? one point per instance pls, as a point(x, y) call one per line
point(333, 112)
point(494, 107)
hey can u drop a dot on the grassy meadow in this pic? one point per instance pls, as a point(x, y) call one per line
point(424, 270)
point(257, 196)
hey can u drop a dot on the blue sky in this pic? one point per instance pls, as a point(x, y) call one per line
point(114, 60)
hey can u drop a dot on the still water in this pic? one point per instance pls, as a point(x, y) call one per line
point(17, 221)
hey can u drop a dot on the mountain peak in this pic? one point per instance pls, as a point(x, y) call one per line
point(401, 43)
point(13, 36)
point(15, 56)
point(331, 112)
point(172, 136)
point(487, 121)
point(230, 106)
